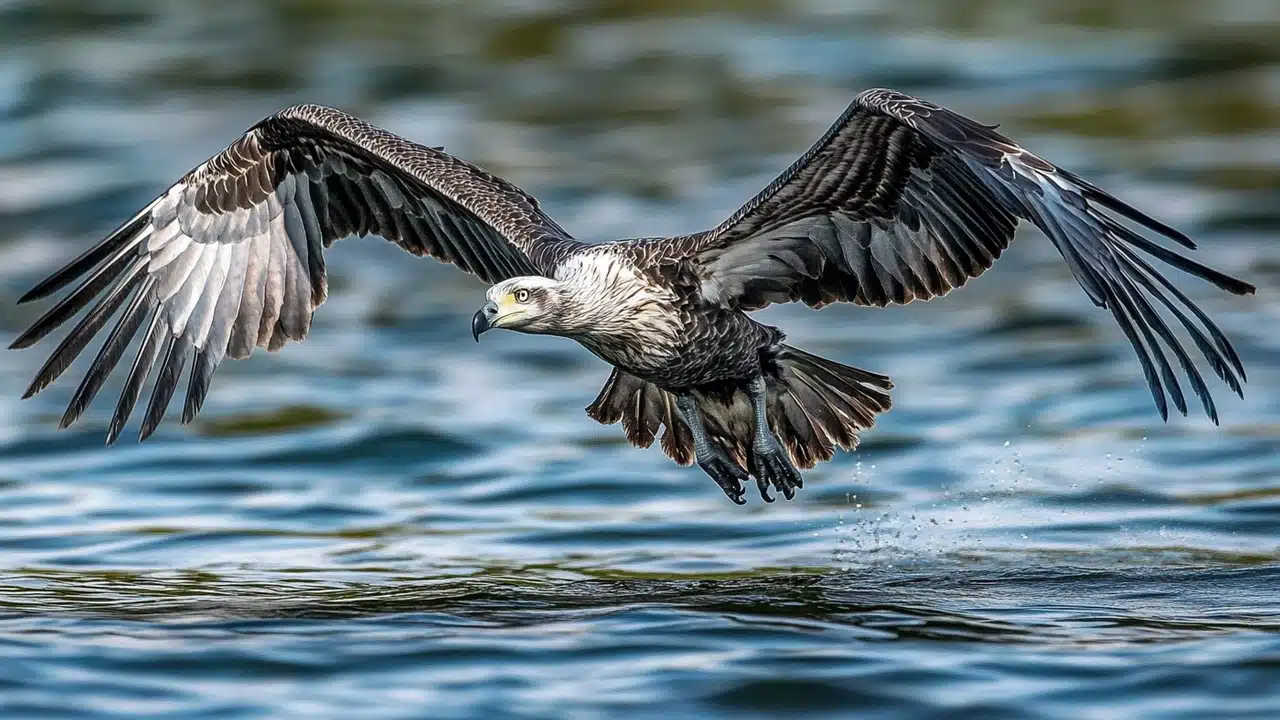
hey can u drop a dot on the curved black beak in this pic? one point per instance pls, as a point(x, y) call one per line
point(483, 317)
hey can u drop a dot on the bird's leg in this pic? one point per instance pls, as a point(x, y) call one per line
point(709, 456)
point(769, 462)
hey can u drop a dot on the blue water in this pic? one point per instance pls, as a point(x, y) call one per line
point(391, 521)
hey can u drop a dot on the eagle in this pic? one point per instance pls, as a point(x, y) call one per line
point(900, 200)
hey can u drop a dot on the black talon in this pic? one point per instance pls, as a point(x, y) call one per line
point(727, 475)
point(772, 468)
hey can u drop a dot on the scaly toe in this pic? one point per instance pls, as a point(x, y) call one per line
point(763, 470)
point(791, 481)
point(788, 492)
point(771, 467)
point(729, 477)
point(762, 483)
point(781, 479)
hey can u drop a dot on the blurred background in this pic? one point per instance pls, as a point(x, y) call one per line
point(391, 521)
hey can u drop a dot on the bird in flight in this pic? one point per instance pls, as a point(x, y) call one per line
point(900, 200)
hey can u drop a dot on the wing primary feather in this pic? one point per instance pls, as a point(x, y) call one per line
point(202, 369)
point(1219, 338)
point(420, 238)
point(1148, 368)
point(288, 230)
point(91, 257)
point(147, 355)
point(109, 356)
point(1084, 271)
point(75, 341)
point(377, 206)
point(1155, 321)
point(1075, 234)
point(337, 215)
point(1096, 194)
point(1219, 353)
point(1182, 262)
point(245, 328)
point(1137, 313)
point(400, 229)
point(175, 354)
point(276, 274)
point(495, 263)
point(73, 303)
point(319, 196)
point(349, 204)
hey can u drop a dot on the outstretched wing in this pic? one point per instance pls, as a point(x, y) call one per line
point(904, 200)
point(232, 256)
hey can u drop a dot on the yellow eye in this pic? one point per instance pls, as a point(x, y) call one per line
point(522, 296)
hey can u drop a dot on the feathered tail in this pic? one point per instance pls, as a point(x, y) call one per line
point(815, 406)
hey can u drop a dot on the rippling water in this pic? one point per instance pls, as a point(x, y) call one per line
point(391, 521)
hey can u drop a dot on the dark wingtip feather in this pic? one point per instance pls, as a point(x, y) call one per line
point(175, 359)
point(202, 370)
point(69, 306)
point(88, 259)
point(1096, 194)
point(108, 356)
point(147, 354)
point(1245, 288)
point(1179, 261)
point(80, 336)
point(1119, 312)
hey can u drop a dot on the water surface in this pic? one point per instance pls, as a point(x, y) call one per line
point(392, 521)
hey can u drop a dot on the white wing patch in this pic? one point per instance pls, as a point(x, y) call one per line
point(202, 262)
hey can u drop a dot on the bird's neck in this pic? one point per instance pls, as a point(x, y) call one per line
point(616, 312)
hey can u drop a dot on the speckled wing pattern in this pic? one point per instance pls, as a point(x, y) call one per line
point(903, 200)
point(232, 256)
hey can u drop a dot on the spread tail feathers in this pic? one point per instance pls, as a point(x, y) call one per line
point(815, 406)
point(643, 408)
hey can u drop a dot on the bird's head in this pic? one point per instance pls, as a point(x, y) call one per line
point(529, 304)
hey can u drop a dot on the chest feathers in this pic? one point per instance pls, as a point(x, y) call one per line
point(619, 314)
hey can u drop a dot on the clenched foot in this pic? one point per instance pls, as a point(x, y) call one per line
point(771, 466)
point(727, 475)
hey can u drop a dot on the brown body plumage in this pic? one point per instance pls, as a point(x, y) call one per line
point(900, 200)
